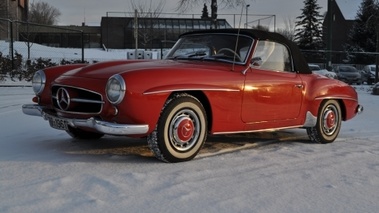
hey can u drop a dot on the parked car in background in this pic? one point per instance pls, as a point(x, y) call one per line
point(369, 73)
point(317, 70)
point(348, 74)
point(211, 82)
point(375, 89)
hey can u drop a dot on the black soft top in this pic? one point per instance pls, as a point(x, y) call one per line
point(300, 64)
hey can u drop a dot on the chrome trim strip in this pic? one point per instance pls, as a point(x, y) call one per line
point(92, 123)
point(192, 89)
point(81, 100)
point(80, 88)
point(336, 97)
point(260, 130)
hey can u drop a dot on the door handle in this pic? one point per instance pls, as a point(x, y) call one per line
point(300, 86)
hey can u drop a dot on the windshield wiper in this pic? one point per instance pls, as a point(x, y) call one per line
point(196, 54)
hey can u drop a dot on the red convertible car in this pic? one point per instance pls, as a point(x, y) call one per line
point(211, 82)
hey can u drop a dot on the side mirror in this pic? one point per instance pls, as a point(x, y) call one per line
point(256, 62)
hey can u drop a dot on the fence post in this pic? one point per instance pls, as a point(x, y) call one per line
point(11, 51)
point(82, 46)
point(377, 51)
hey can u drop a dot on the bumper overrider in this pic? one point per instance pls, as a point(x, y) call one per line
point(92, 123)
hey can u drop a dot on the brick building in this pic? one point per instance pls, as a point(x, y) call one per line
point(11, 10)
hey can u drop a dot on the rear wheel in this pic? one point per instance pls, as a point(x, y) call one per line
point(328, 123)
point(82, 134)
point(181, 130)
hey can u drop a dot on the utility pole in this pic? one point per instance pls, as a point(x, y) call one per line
point(330, 34)
point(136, 33)
point(377, 49)
point(247, 14)
point(214, 13)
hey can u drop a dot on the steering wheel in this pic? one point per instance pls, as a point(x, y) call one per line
point(231, 51)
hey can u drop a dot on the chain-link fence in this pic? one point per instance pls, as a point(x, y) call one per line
point(26, 47)
point(22, 47)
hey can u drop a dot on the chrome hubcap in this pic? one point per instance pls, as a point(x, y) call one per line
point(184, 130)
point(330, 120)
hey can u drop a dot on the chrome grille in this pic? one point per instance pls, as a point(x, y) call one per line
point(76, 100)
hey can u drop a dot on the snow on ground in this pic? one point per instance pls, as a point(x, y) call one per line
point(44, 170)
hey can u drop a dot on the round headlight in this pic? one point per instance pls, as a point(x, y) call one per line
point(38, 82)
point(115, 89)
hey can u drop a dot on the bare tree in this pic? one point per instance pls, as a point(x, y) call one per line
point(147, 25)
point(43, 13)
point(149, 10)
point(289, 29)
point(187, 4)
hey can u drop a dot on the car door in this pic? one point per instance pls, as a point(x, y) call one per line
point(273, 91)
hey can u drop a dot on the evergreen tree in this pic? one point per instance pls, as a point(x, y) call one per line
point(362, 37)
point(205, 13)
point(308, 32)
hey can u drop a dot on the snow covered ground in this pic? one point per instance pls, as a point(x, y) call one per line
point(44, 170)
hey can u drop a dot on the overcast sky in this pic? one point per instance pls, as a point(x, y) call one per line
point(74, 12)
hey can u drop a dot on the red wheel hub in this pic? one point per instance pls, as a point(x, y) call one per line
point(330, 119)
point(185, 129)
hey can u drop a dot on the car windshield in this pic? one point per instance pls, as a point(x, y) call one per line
point(373, 68)
point(347, 69)
point(221, 47)
point(314, 68)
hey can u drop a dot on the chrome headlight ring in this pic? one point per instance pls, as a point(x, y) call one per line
point(39, 82)
point(115, 89)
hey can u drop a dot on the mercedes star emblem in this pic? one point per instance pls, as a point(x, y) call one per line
point(63, 99)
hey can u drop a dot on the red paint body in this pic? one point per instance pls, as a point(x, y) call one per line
point(236, 97)
point(236, 102)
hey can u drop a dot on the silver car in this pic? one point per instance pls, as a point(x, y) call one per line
point(348, 74)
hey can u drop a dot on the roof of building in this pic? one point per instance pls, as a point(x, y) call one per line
point(349, 8)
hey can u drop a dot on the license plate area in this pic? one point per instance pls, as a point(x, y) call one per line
point(57, 123)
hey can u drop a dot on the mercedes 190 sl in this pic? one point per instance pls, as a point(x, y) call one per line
point(210, 82)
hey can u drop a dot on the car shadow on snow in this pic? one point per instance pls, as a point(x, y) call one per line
point(136, 149)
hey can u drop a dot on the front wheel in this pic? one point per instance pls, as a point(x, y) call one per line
point(328, 123)
point(181, 130)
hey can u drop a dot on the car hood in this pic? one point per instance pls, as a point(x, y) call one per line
point(104, 70)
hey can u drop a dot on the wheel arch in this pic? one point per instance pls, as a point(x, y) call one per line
point(342, 107)
point(203, 99)
point(340, 101)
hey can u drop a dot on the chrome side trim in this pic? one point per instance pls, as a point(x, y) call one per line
point(310, 121)
point(190, 89)
point(260, 130)
point(336, 97)
point(91, 123)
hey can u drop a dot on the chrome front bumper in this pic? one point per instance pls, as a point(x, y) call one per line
point(91, 123)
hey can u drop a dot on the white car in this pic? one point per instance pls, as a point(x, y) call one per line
point(317, 70)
